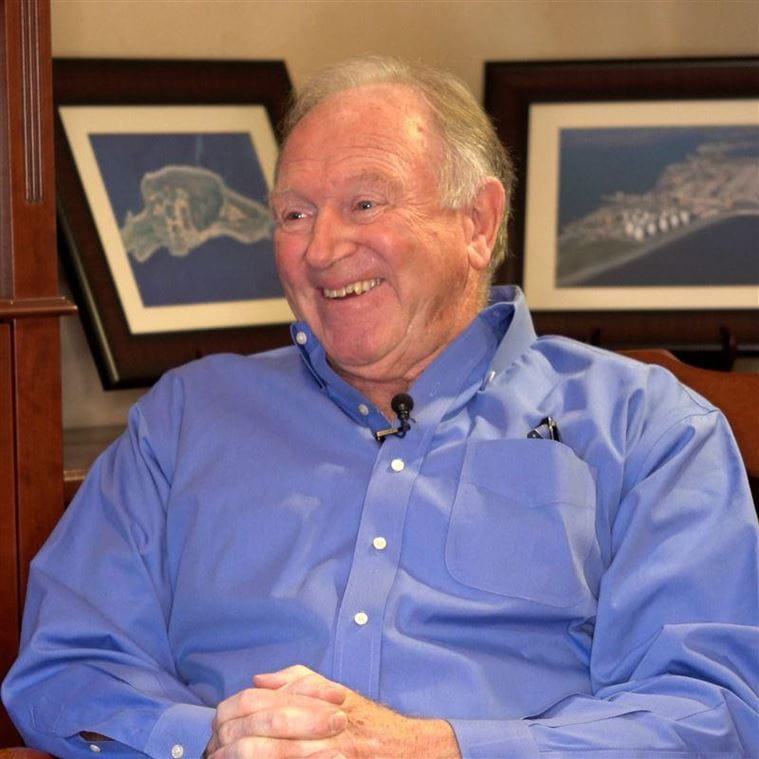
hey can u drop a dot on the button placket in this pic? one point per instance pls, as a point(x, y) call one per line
point(358, 637)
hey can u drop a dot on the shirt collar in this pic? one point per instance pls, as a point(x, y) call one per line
point(496, 337)
point(521, 331)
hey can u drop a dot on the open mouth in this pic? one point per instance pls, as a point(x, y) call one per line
point(354, 288)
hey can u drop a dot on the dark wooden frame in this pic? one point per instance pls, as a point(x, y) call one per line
point(124, 359)
point(510, 89)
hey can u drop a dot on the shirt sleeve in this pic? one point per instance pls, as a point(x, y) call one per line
point(673, 663)
point(95, 655)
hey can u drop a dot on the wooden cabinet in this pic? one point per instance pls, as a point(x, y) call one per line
point(31, 457)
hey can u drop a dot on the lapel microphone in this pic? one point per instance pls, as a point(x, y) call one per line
point(401, 405)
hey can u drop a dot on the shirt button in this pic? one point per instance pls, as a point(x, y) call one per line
point(379, 543)
point(397, 465)
point(95, 749)
point(301, 338)
point(177, 751)
point(363, 409)
point(361, 618)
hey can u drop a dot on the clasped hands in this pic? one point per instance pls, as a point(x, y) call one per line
point(296, 713)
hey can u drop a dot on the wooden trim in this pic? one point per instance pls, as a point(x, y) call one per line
point(32, 307)
point(39, 436)
point(6, 258)
point(31, 483)
point(72, 481)
point(9, 600)
point(32, 107)
point(26, 97)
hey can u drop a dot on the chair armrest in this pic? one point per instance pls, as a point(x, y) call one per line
point(23, 753)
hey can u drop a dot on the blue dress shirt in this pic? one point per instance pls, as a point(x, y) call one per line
point(590, 597)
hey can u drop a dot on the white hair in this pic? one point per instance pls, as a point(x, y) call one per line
point(472, 150)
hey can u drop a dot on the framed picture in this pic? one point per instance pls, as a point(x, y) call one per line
point(636, 208)
point(163, 170)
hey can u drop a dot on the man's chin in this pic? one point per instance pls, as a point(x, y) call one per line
point(375, 365)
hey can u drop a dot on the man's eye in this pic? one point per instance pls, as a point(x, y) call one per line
point(292, 219)
point(365, 205)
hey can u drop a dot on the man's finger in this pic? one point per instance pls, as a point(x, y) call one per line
point(288, 674)
point(288, 722)
point(252, 700)
point(311, 684)
point(270, 748)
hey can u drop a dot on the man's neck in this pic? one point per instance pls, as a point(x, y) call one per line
point(379, 392)
point(380, 383)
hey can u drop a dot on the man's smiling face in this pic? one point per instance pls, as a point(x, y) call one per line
point(367, 254)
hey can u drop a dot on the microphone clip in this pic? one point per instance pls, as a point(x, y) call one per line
point(402, 403)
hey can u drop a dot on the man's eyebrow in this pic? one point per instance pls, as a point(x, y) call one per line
point(282, 192)
point(373, 178)
point(364, 178)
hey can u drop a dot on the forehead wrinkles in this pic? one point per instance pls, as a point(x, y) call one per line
point(385, 129)
point(348, 172)
point(373, 158)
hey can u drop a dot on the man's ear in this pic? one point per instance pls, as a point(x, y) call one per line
point(485, 215)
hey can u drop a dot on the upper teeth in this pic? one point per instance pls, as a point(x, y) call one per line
point(356, 288)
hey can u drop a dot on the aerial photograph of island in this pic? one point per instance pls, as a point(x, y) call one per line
point(192, 215)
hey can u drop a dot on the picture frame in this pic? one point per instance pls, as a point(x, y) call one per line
point(162, 175)
point(556, 117)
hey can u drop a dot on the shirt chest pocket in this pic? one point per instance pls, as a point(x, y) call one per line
point(523, 521)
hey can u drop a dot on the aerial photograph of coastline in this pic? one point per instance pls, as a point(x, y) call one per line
point(668, 206)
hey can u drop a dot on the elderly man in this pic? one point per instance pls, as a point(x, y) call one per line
point(554, 550)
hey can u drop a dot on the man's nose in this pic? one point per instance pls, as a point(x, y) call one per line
point(331, 239)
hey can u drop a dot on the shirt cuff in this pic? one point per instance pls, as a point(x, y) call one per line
point(493, 739)
point(182, 732)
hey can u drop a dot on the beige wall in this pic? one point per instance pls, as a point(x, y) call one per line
point(307, 34)
point(459, 34)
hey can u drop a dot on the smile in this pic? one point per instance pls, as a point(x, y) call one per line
point(354, 288)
